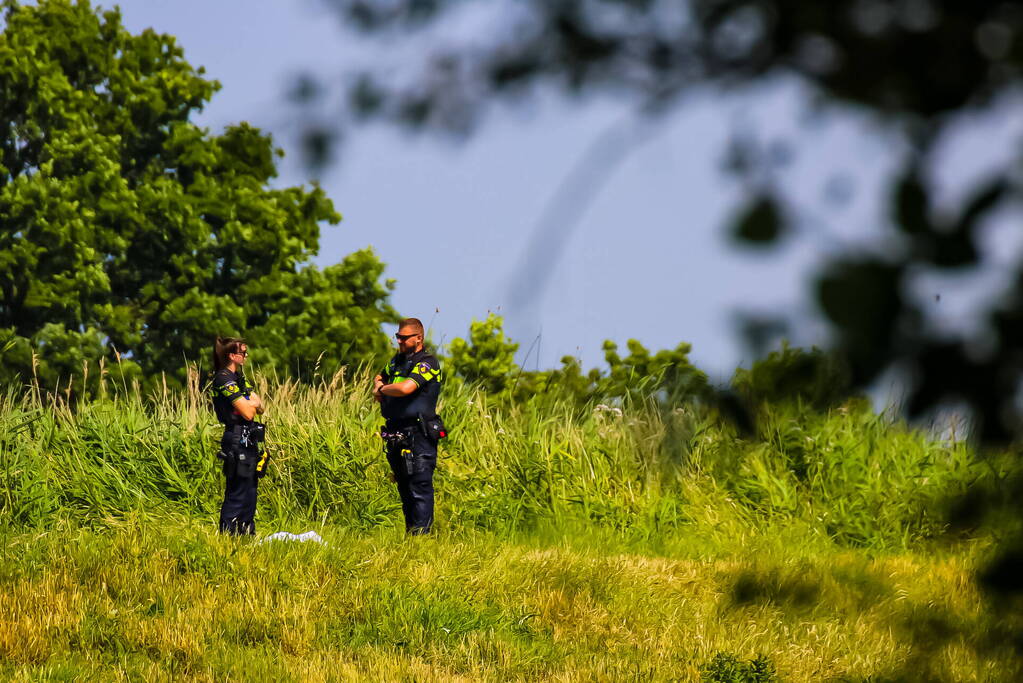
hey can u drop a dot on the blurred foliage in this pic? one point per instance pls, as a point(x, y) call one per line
point(760, 223)
point(130, 237)
point(919, 57)
point(918, 67)
point(915, 64)
point(814, 378)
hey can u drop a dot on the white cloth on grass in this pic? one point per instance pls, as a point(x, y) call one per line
point(285, 536)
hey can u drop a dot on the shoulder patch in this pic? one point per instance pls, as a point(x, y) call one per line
point(426, 371)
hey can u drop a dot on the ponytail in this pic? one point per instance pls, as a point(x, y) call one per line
point(222, 347)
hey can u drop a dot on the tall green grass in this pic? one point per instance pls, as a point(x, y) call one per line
point(640, 471)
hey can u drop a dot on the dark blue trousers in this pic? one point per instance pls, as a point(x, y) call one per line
point(413, 464)
point(238, 511)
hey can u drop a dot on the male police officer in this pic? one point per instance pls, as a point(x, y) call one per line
point(407, 390)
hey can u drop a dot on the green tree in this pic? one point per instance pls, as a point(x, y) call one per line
point(128, 233)
point(666, 375)
point(488, 358)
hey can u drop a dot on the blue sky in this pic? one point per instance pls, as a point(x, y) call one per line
point(648, 258)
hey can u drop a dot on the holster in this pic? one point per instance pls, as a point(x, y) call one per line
point(402, 438)
point(238, 463)
point(241, 450)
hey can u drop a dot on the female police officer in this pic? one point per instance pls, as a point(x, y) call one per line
point(236, 405)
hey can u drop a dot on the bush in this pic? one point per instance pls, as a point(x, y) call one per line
point(727, 668)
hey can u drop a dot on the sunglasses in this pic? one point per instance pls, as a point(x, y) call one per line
point(403, 337)
point(243, 354)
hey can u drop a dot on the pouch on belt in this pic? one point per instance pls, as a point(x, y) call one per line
point(432, 428)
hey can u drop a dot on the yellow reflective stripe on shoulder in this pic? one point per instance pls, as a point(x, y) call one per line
point(426, 371)
point(429, 374)
point(230, 391)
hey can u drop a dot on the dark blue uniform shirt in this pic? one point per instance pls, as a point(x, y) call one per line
point(228, 387)
point(421, 367)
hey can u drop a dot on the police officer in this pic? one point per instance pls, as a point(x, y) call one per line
point(407, 390)
point(236, 405)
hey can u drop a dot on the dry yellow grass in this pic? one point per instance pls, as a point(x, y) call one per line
point(140, 600)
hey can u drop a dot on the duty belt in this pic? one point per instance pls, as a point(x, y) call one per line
point(396, 436)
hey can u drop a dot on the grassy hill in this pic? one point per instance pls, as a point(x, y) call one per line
point(612, 543)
